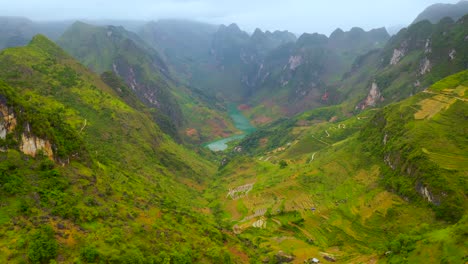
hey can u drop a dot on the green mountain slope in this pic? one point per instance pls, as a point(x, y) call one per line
point(84, 177)
point(183, 112)
point(413, 59)
point(386, 186)
point(304, 75)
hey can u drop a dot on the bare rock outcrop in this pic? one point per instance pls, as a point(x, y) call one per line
point(372, 99)
point(7, 120)
point(452, 54)
point(425, 66)
point(29, 143)
point(398, 54)
point(32, 145)
point(294, 62)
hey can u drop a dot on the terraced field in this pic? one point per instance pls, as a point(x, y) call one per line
point(329, 200)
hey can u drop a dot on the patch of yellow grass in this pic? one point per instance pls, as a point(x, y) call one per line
point(380, 203)
point(430, 107)
point(368, 177)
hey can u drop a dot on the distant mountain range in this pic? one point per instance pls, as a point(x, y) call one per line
point(436, 12)
point(358, 154)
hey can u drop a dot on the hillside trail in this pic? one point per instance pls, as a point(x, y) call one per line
point(455, 97)
point(305, 232)
point(276, 221)
point(312, 158)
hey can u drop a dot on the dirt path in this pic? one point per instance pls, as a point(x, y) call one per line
point(85, 123)
point(276, 221)
point(328, 135)
point(455, 97)
point(312, 158)
point(321, 141)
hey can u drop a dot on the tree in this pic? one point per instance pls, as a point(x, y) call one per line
point(283, 164)
point(43, 246)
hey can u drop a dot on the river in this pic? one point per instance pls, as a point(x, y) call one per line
point(240, 122)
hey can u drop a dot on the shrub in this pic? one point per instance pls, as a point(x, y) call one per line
point(89, 254)
point(283, 164)
point(43, 246)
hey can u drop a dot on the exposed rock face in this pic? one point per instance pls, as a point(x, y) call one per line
point(388, 161)
point(385, 139)
point(294, 62)
point(425, 66)
point(452, 54)
point(427, 48)
point(7, 120)
point(373, 97)
point(427, 194)
point(417, 83)
point(31, 145)
point(398, 54)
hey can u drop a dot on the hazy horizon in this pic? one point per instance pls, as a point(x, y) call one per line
point(297, 16)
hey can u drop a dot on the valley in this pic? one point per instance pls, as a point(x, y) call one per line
point(178, 141)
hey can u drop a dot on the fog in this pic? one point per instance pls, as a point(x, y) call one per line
point(294, 15)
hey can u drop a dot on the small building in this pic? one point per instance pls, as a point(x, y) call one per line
point(314, 260)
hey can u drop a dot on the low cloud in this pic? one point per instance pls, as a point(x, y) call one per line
point(294, 15)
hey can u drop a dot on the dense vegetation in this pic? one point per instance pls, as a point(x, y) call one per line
point(177, 109)
point(359, 155)
point(387, 184)
point(104, 204)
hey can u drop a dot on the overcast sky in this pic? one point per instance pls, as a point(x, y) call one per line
point(295, 15)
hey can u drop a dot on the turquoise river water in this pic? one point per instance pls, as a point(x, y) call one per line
point(240, 122)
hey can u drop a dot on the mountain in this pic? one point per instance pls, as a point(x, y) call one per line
point(115, 49)
point(387, 185)
point(414, 59)
point(303, 75)
point(358, 155)
point(185, 44)
point(216, 59)
point(85, 177)
point(18, 31)
point(149, 77)
point(236, 66)
point(437, 12)
point(268, 41)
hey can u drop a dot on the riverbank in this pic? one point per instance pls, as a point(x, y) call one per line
point(240, 122)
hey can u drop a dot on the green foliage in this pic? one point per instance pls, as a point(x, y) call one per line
point(89, 254)
point(42, 246)
point(117, 187)
point(282, 164)
point(132, 256)
point(277, 134)
point(403, 244)
point(137, 64)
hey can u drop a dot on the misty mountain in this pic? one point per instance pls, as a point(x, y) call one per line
point(18, 31)
point(185, 142)
point(145, 71)
point(124, 53)
point(436, 12)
